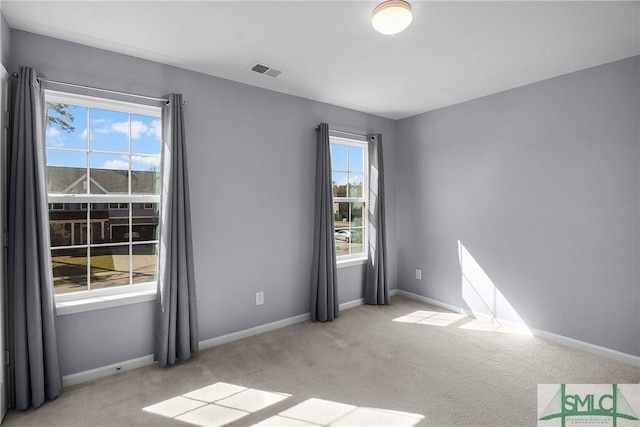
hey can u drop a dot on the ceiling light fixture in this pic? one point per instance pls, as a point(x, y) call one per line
point(391, 17)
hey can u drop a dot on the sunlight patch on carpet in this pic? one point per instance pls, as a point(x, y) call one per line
point(483, 324)
point(221, 403)
point(494, 325)
point(216, 405)
point(319, 412)
point(433, 318)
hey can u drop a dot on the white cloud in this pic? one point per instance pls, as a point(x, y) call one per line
point(116, 164)
point(54, 137)
point(83, 135)
point(139, 162)
point(138, 128)
point(101, 130)
point(120, 127)
point(146, 160)
point(156, 128)
point(52, 132)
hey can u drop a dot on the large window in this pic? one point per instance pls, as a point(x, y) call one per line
point(103, 170)
point(349, 175)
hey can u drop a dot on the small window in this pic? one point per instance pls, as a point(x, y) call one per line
point(349, 173)
point(118, 206)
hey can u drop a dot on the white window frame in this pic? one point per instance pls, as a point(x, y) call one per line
point(359, 258)
point(118, 295)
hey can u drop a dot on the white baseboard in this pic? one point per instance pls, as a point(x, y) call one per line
point(360, 301)
point(128, 365)
point(434, 302)
point(560, 339)
point(246, 333)
point(503, 322)
point(590, 348)
point(350, 304)
point(105, 371)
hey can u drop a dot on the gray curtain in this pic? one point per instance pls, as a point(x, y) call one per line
point(34, 375)
point(324, 291)
point(176, 314)
point(376, 284)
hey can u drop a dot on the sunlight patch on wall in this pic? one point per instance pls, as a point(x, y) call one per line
point(489, 306)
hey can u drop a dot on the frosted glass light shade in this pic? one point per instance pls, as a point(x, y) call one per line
point(391, 17)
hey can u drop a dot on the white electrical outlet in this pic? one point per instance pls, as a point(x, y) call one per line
point(418, 274)
point(259, 298)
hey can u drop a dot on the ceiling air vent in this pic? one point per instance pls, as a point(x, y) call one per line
point(266, 70)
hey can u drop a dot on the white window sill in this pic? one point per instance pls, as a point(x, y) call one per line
point(351, 262)
point(96, 300)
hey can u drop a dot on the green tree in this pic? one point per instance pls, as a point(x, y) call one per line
point(60, 234)
point(59, 115)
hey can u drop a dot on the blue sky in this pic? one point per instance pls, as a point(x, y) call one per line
point(107, 131)
point(346, 164)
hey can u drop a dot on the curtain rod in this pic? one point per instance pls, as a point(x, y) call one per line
point(345, 132)
point(150, 98)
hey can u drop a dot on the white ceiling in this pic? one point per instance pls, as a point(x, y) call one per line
point(452, 52)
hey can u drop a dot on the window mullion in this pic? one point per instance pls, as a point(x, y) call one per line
point(88, 237)
point(349, 221)
point(130, 244)
point(129, 154)
point(130, 177)
point(348, 176)
point(88, 151)
point(88, 183)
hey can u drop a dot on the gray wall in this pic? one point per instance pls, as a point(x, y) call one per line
point(540, 184)
point(5, 41)
point(251, 168)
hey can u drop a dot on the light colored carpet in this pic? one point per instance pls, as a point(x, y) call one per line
point(440, 374)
